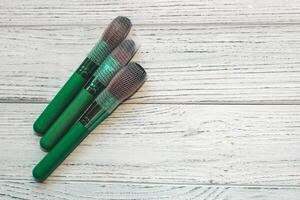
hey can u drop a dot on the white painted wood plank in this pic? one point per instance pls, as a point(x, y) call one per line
point(190, 64)
point(186, 144)
point(92, 190)
point(34, 12)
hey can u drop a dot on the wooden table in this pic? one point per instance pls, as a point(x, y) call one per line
point(218, 118)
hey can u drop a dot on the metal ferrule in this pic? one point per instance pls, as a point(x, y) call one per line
point(94, 59)
point(104, 104)
point(103, 75)
point(99, 52)
point(95, 87)
point(90, 113)
point(87, 68)
point(107, 101)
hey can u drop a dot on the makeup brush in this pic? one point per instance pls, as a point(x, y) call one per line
point(115, 33)
point(111, 65)
point(123, 85)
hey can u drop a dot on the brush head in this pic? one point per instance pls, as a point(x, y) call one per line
point(116, 31)
point(127, 81)
point(123, 85)
point(124, 52)
point(117, 59)
point(114, 34)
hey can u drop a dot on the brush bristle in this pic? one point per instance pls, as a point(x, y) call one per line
point(117, 59)
point(117, 31)
point(127, 81)
point(124, 52)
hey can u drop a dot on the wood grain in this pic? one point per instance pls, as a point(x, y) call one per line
point(73, 190)
point(33, 12)
point(230, 64)
point(186, 144)
point(164, 143)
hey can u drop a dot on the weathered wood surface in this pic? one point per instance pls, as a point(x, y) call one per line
point(191, 64)
point(190, 144)
point(93, 190)
point(77, 12)
point(164, 143)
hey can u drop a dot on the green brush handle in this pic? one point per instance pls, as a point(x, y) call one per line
point(63, 148)
point(58, 154)
point(59, 102)
point(66, 119)
point(72, 87)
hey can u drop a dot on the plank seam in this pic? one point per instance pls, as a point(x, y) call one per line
point(287, 103)
point(161, 24)
point(164, 183)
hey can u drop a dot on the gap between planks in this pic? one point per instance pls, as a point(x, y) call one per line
point(254, 24)
point(180, 146)
point(160, 183)
point(244, 103)
point(162, 11)
point(72, 190)
point(224, 65)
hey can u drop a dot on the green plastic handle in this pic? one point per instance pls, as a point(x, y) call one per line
point(66, 119)
point(59, 103)
point(61, 150)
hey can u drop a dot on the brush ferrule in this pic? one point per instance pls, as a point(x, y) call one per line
point(90, 113)
point(107, 101)
point(87, 68)
point(107, 70)
point(93, 116)
point(99, 52)
point(103, 75)
point(95, 87)
point(104, 104)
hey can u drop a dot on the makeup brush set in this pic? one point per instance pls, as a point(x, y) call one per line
point(102, 82)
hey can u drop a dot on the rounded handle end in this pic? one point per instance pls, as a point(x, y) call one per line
point(38, 127)
point(38, 174)
point(45, 145)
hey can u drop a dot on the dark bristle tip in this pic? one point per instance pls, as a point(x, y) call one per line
point(137, 69)
point(123, 20)
point(128, 45)
point(127, 81)
point(124, 52)
point(117, 31)
point(137, 65)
